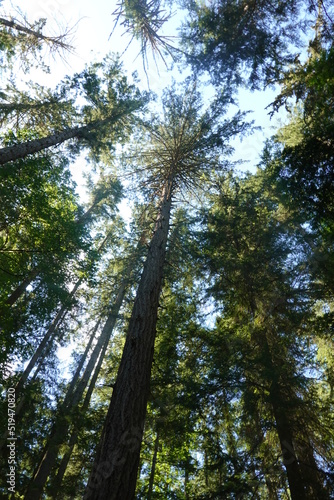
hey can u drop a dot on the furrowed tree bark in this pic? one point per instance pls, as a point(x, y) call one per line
point(115, 471)
point(61, 427)
point(18, 151)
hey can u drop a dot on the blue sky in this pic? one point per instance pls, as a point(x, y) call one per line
point(94, 23)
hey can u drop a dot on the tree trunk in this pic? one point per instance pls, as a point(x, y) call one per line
point(186, 478)
point(14, 296)
point(72, 387)
point(284, 427)
point(313, 478)
point(54, 40)
point(61, 427)
point(154, 463)
point(19, 151)
point(74, 436)
point(40, 351)
point(114, 473)
point(285, 435)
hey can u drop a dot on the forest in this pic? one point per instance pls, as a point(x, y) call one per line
point(199, 331)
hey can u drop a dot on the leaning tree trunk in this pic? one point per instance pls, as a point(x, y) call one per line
point(114, 473)
point(21, 288)
point(47, 339)
point(56, 486)
point(19, 151)
point(36, 361)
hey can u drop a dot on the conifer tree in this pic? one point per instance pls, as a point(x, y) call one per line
point(184, 146)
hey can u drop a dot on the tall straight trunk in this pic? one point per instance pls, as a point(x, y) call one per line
point(284, 426)
point(154, 463)
point(186, 478)
point(71, 389)
point(285, 435)
point(39, 355)
point(61, 427)
point(114, 474)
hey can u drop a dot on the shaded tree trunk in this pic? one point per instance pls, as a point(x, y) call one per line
point(284, 427)
point(313, 478)
point(114, 473)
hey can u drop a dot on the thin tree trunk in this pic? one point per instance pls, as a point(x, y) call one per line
point(53, 40)
point(40, 352)
point(186, 477)
point(48, 337)
point(71, 389)
point(21, 288)
point(75, 433)
point(154, 463)
point(18, 409)
point(206, 468)
point(60, 430)
point(114, 474)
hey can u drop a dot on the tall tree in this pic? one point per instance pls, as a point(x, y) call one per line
point(265, 293)
point(105, 116)
point(184, 146)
